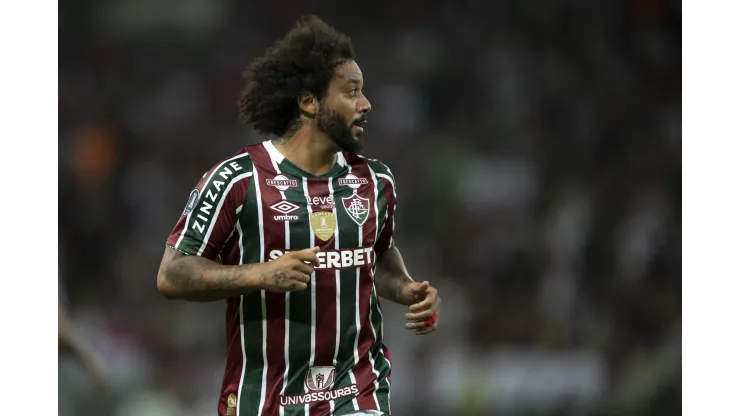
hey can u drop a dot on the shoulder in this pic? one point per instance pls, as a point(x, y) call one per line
point(380, 169)
point(229, 168)
point(233, 172)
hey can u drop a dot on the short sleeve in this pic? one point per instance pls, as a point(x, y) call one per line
point(212, 209)
point(385, 238)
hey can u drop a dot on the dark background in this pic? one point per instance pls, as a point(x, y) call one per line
point(536, 146)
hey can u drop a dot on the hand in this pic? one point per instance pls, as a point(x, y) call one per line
point(425, 302)
point(291, 271)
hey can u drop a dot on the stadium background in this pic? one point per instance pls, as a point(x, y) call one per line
point(536, 146)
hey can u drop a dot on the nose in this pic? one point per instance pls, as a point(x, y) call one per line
point(364, 105)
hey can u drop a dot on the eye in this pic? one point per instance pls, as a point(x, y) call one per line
point(354, 92)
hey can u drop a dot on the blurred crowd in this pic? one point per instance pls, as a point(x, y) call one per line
point(536, 146)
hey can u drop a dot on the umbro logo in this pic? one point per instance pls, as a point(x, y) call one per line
point(285, 208)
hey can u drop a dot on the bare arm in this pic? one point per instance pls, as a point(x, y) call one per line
point(199, 279)
point(393, 282)
point(391, 277)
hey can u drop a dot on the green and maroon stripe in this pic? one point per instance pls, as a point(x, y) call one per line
point(234, 357)
point(253, 306)
point(380, 358)
point(299, 304)
point(275, 310)
point(233, 253)
point(350, 306)
point(364, 371)
point(337, 279)
point(324, 296)
point(387, 203)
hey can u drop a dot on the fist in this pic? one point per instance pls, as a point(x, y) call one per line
point(291, 271)
point(425, 304)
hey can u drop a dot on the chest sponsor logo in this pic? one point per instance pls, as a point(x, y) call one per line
point(323, 224)
point(321, 202)
point(352, 181)
point(284, 208)
point(357, 208)
point(319, 381)
point(346, 258)
point(282, 183)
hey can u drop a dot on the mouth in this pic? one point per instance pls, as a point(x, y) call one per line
point(359, 126)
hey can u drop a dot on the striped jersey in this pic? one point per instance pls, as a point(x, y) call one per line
point(318, 351)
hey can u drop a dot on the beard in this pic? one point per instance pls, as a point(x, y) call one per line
point(336, 127)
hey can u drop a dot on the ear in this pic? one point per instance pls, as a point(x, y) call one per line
point(308, 104)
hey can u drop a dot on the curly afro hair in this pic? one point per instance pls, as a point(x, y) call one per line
point(303, 60)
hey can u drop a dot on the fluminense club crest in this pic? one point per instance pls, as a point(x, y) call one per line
point(357, 208)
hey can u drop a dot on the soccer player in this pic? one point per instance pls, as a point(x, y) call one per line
point(296, 234)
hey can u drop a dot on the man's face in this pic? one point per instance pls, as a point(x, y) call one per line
point(343, 112)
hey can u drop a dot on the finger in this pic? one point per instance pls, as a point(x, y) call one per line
point(304, 268)
point(420, 288)
point(296, 285)
point(301, 277)
point(308, 255)
point(427, 330)
point(425, 304)
point(415, 325)
point(420, 316)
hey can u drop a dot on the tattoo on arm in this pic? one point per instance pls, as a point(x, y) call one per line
point(232, 276)
point(279, 277)
point(183, 273)
point(189, 271)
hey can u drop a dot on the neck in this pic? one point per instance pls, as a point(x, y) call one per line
point(308, 149)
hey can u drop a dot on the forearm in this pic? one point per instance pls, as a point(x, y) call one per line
point(199, 279)
point(391, 276)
